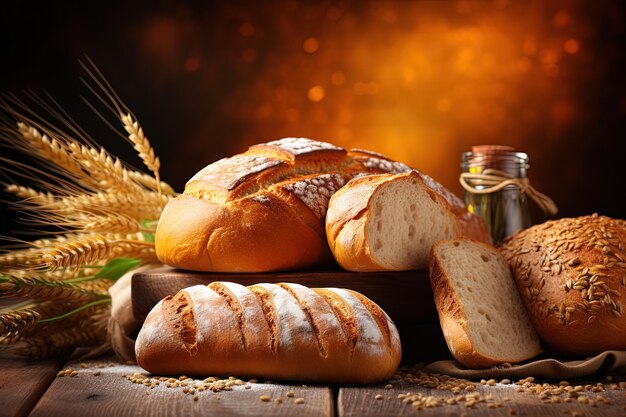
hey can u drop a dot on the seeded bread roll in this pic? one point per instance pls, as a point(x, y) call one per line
point(482, 316)
point(262, 210)
point(572, 276)
point(279, 332)
point(389, 222)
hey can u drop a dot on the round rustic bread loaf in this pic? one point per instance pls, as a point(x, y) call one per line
point(264, 210)
point(572, 277)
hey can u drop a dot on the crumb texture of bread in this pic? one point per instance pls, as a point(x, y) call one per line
point(389, 222)
point(571, 274)
point(275, 331)
point(481, 312)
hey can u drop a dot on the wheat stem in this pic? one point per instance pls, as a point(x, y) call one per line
point(142, 146)
point(76, 310)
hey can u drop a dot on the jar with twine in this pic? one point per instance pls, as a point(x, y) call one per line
point(497, 189)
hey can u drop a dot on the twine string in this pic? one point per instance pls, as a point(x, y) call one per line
point(493, 180)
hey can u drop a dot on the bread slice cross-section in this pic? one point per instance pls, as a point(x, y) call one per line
point(480, 310)
point(387, 222)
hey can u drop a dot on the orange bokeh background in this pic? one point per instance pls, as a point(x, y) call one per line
point(420, 81)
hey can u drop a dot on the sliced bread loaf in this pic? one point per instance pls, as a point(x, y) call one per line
point(480, 310)
point(387, 222)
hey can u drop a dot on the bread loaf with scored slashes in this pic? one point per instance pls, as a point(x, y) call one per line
point(263, 210)
point(275, 331)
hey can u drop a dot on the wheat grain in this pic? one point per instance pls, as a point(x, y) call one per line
point(116, 223)
point(50, 149)
point(41, 288)
point(151, 183)
point(15, 322)
point(107, 171)
point(23, 258)
point(142, 146)
point(89, 249)
point(45, 345)
point(72, 254)
point(34, 197)
point(144, 205)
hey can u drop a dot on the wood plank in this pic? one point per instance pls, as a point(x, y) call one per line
point(112, 394)
point(405, 296)
point(23, 382)
point(361, 401)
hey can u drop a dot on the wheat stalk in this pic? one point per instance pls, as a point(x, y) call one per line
point(50, 149)
point(32, 196)
point(139, 206)
point(103, 211)
point(151, 183)
point(23, 258)
point(142, 146)
point(81, 251)
point(46, 344)
point(116, 223)
point(102, 167)
point(15, 322)
point(87, 250)
point(41, 288)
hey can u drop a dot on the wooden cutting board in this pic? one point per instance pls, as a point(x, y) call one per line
point(405, 296)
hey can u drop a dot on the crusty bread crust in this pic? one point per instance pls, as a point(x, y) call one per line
point(571, 274)
point(350, 209)
point(264, 210)
point(282, 332)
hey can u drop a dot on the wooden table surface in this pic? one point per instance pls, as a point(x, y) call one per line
point(104, 387)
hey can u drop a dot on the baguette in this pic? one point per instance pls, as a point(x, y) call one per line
point(480, 310)
point(280, 332)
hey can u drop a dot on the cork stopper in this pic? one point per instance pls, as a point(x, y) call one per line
point(490, 149)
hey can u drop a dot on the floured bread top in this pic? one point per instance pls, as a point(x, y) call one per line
point(310, 170)
point(286, 317)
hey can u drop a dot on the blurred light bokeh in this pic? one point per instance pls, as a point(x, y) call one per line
point(419, 81)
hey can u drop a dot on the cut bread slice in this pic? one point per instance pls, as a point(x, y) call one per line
point(387, 222)
point(480, 310)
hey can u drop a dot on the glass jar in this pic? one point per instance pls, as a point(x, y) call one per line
point(506, 210)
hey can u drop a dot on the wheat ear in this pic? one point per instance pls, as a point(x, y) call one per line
point(45, 344)
point(50, 149)
point(88, 250)
point(32, 196)
point(144, 205)
point(151, 183)
point(142, 146)
point(81, 251)
point(15, 322)
point(41, 288)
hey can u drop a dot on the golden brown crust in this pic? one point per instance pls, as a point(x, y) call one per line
point(262, 210)
point(571, 274)
point(247, 235)
point(349, 210)
point(291, 333)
